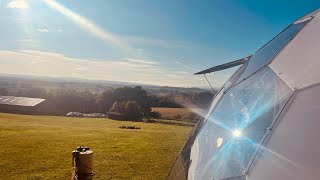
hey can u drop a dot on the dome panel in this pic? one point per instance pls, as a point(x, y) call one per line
point(178, 170)
point(234, 78)
point(264, 55)
point(298, 64)
point(237, 124)
point(180, 167)
point(292, 149)
point(214, 103)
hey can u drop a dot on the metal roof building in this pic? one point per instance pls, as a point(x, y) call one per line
point(20, 101)
point(23, 105)
point(264, 122)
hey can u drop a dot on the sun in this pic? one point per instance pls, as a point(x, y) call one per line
point(18, 4)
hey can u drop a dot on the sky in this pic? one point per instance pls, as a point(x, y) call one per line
point(141, 41)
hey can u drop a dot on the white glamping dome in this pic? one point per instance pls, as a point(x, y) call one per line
point(265, 122)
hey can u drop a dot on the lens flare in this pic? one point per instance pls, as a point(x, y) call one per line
point(237, 133)
point(219, 142)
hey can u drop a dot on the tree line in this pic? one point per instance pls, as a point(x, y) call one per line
point(124, 100)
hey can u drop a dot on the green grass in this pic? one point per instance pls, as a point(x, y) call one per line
point(39, 147)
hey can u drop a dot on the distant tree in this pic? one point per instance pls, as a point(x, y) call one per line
point(118, 107)
point(88, 102)
point(3, 92)
point(115, 107)
point(202, 99)
point(122, 94)
point(32, 92)
point(133, 111)
point(156, 114)
point(153, 100)
point(105, 100)
point(168, 101)
point(194, 117)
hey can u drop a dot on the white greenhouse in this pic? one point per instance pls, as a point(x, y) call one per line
point(265, 121)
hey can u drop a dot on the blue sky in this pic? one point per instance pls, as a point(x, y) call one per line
point(143, 41)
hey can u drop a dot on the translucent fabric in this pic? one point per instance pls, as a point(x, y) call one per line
point(271, 49)
point(236, 126)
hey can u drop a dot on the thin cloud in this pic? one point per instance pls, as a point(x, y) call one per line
point(55, 64)
point(182, 72)
point(187, 67)
point(18, 4)
point(24, 40)
point(31, 62)
point(170, 44)
point(43, 30)
point(140, 61)
point(132, 65)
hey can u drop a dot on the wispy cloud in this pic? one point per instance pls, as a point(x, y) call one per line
point(140, 61)
point(18, 4)
point(42, 63)
point(186, 66)
point(43, 30)
point(182, 72)
point(55, 64)
point(24, 40)
point(163, 43)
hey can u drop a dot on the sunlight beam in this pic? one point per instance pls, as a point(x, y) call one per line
point(89, 26)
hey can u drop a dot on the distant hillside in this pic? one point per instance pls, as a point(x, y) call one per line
point(13, 82)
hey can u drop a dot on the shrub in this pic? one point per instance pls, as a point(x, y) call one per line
point(129, 127)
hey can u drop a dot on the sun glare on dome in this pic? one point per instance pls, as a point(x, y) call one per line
point(236, 133)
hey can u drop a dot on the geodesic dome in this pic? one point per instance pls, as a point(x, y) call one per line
point(264, 123)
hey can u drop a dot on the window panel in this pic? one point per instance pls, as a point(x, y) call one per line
point(236, 126)
point(181, 165)
point(271, 49)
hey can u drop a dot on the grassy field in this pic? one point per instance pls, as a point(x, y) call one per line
point(171, 113)
point(39, 147)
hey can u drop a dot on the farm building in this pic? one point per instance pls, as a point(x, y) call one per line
point(21, 105)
